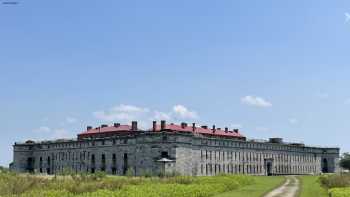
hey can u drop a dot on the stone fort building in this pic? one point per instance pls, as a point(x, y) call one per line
point(168, 148)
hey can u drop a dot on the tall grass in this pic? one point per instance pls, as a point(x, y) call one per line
point(335, 180)
point(12, 184)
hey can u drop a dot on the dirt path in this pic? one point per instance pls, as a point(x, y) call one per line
point(288, 189)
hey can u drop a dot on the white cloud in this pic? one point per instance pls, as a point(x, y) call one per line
point(347, 17)
point(292, 121)
point(255, 101)
point(125, 113)
point(71, 120)
point(47, 132)
point(61, 133)
point(182, 112)
point(161, 116)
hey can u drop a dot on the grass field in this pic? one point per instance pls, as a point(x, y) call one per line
point(100, 185)
point(311, 187)
point(262, 185)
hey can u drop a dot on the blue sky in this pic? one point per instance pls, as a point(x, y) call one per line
point(272, 68)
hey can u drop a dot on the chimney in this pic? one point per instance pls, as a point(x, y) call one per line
point(154, 125)
point(226, 129)
point(88, 127)
point(104, 125)
point(134, 125)
point(116, 125)
point(183, 125)
point(162, 124)
point(235, 130)
point(214, 129)
point(205, 127)
point(193, 126)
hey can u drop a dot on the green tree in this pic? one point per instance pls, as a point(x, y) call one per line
point(345, 161)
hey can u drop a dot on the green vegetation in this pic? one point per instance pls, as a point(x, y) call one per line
point(335, 180)
point(262, 185)
point(84, 185)
point(311, 187)
point(345, 161)
point(340, 192)
point(338, 185)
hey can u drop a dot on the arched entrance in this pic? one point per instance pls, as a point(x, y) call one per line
point(324, 165)
point(268, 166)
point(30, 164)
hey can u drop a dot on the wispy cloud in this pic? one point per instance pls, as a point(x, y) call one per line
point(53, 133)
point(127, 113)
point(347, 17)
point(347, 101)
point(184, 113)
point(292, 120)
point(323, 95)
point(42, 129)
point(255, 101)
point(61, 133)
point(161, 116)
point(71, 120)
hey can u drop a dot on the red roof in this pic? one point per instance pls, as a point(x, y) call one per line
point(106, 130)
point(200, 130)
point(172, 127)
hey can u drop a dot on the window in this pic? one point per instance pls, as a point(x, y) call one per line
point(164, 154)
point(103, 161)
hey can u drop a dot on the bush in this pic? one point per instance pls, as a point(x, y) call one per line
point(335, 180)
point(340, 192)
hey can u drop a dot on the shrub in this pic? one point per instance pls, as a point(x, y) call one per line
point(335, 180)
point(340, 192)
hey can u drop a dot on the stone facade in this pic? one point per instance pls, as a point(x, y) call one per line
point(166, 151)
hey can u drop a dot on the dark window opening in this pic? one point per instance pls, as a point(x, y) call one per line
point(125, 163)
point(324, 165)
point(164, 154)
point(114, 170)
point(30, 164)
point(103, 161)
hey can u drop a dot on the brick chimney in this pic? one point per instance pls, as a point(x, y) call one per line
point(116, 125)
point(226, 129)
point(88, 127)
point(104, 125)
point(162, 124)
point(154, 125)
point(193, 127)
point(235, 130)
point(183, 125)
point(134, 125)
point(213, 129)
